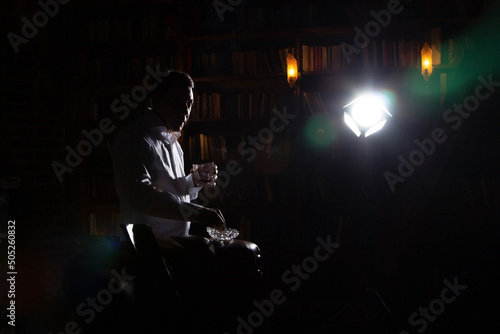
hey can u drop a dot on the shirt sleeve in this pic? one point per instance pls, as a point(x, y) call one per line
point(193, 190)
point(133, 159)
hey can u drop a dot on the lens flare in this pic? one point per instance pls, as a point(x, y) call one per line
point(320, 131)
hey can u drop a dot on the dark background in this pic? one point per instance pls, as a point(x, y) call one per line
point(441, 223)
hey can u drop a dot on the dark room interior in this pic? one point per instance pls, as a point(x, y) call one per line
point(388, 231)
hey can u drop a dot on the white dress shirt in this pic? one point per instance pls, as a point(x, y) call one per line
point(147, 158)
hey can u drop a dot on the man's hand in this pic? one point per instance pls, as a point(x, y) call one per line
point(211, 217)
point(198, 213)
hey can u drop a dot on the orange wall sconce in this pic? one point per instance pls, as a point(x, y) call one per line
point(426, 55)
point(292, 71)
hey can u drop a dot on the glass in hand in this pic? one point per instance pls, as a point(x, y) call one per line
point(205, 174)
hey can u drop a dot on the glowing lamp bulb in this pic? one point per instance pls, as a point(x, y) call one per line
point(366, 115)
point(292, 70)
point(426, 55)
point(366, 112)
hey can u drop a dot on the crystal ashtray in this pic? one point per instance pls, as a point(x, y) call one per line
point(226, 235)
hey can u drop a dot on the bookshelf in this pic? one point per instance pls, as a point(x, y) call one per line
point(118, 55)
point(238, 65)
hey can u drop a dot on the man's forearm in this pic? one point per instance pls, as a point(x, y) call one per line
point(150, 201)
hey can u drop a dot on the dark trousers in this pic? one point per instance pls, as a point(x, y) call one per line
point(216, 281)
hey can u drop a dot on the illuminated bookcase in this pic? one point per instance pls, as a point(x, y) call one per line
point(238, 64)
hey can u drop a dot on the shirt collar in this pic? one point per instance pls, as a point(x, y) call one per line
point(159, 130)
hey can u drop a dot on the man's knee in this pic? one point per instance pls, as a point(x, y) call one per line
point(198, 246)
point(240, 253)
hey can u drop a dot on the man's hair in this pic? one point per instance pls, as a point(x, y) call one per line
point(173, 80)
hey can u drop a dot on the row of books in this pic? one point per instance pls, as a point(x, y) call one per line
point(480, 192)
point(219, 147)
point(104, 224)
point(101, 186)
point(266, 15)
point(238, 63)
point(236, 106)
point(282, 188)
point(275, 189)
point(207, 148)
point(98, 108)
point(270, 157)
point(313, 102)
point(119, 69)
point(257, 18)
point(454, 51)
point(263, 229)
point(313, 58)
point(379, 54)
point(318, 13)
point(221, 17)
point(210, 106)
point(156, 26)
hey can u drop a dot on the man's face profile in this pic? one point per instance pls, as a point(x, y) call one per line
point(174, 108)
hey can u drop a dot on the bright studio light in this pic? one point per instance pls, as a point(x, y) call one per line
point(366, 115)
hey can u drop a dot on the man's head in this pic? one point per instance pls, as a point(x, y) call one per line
point(173, 98)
